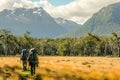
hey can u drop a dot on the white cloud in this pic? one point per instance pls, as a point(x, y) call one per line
point(78, 10)
point(11, 4)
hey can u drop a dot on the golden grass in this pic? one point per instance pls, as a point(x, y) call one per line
point(68, 68)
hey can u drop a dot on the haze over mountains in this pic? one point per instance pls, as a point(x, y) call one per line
point(67, 24)
point(102, 23)
point(35, 20)
point(42, 25)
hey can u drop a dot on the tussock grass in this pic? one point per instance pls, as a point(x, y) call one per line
point(63, 68)
point(86, 63)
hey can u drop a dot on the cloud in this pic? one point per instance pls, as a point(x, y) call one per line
point(78, 10)
point(12, 4)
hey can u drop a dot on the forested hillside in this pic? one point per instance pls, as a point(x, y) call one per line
point(102, 23)
point(90, 45)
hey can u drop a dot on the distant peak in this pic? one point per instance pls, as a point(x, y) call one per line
point(38, 8)
point(60, 20)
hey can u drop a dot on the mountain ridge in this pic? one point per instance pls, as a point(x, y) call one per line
point(67, 24)
point(102, 23)
point(35, 20)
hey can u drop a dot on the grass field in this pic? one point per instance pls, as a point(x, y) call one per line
point(63, 68)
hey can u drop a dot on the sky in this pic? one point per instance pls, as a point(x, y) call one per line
point(76, 10)
point(57, 2)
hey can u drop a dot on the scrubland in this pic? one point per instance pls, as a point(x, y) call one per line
point(62, 68)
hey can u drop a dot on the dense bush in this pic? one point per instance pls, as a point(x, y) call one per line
point(89, 45)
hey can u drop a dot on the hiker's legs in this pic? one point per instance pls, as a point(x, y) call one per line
point(24, 65)
point(32, 68)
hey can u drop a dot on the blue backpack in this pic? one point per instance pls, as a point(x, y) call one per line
point(24, 54)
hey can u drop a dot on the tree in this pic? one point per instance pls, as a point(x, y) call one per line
point(6, 37)
point(116, 39)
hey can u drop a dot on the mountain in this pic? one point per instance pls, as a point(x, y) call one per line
point(102, 23)
point(67, 24)
point(35, 20)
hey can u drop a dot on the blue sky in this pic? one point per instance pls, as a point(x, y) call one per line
point(58, 2)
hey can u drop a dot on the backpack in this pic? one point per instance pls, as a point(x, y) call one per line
point(33, 56)
point(24, 54)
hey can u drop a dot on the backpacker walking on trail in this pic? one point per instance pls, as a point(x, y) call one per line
point(24, 55)
point(33, 60)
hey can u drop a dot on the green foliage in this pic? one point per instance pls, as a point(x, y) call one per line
point(38, 77)
point(90, 45)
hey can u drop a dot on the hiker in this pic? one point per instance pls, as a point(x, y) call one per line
point(24, 55)
point(33, 60)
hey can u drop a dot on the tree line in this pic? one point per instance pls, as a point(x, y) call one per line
point(89, 45)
